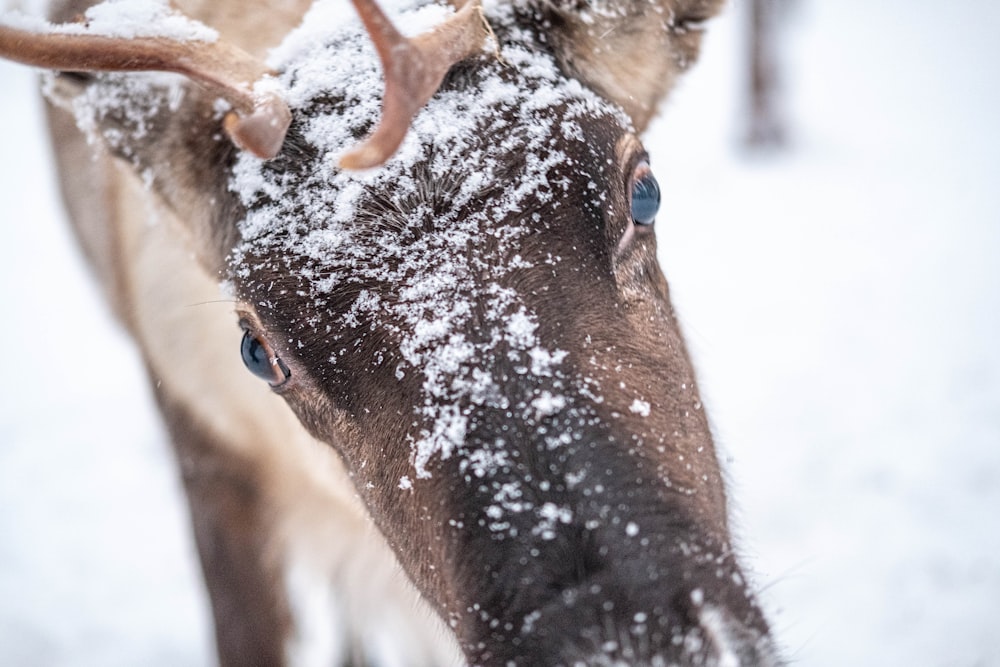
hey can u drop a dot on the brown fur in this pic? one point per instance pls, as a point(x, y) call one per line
point(267, 498)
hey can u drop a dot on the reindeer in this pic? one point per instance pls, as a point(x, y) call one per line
point(478, 437)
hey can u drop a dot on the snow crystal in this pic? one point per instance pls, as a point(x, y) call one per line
point(543, 361)
point(484, 460)
point(521, 328)
point(550, 515)
point(640, 407)
point(548, 404)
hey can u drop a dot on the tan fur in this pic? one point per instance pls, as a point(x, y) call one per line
point(619, 50)
point(253, 25)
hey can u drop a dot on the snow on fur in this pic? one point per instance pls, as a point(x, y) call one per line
point(429, 254)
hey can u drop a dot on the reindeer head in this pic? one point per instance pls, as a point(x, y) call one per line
point(478, 326)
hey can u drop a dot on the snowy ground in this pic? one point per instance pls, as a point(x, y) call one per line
point(842, 301)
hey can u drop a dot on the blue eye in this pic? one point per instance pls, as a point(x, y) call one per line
point(645, 196)
point(261, 361)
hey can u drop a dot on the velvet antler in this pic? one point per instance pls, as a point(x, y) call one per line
point(413, 70)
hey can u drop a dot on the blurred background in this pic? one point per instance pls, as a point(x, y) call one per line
point(831, 244)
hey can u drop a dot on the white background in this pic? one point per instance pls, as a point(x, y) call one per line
point(841, 299)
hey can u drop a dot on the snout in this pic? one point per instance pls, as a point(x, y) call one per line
point(713, 642)
point(691, 619)
point(656, 589)
point(706, 644)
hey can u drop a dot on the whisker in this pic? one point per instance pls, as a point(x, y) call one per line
point(214, 301)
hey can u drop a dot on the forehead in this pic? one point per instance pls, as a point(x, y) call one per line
point(502, 133)
point(428, 250)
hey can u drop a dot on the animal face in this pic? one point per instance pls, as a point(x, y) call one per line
point(481, 330)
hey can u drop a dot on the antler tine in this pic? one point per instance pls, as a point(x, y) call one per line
point(260, 121)
point(414, 69)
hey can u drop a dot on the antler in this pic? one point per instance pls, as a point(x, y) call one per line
point(260, 120)
point(414, 69)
